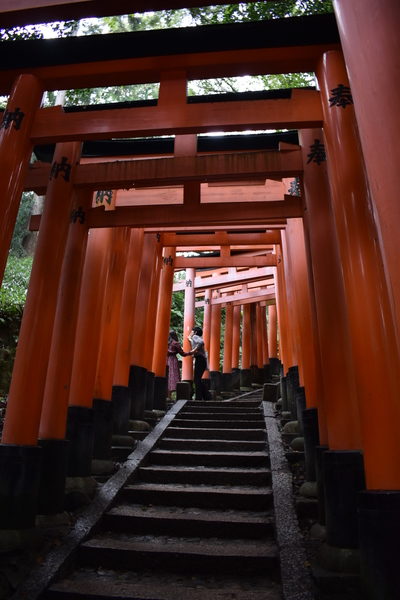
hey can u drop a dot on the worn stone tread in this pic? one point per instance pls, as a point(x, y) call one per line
point(200, 489)
point(210, 444)
point(100, 584)
point(219, 423)
point(185, 432)
point(193, 514)
point(180, 554)
point(207, 453)
point(163, 520)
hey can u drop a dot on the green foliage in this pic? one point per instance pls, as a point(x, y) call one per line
point(15, 283)
point(36, 32)
point(256, 11)
point(12, 298)
point(21, 225)
point(177, 311)
point(110, 94)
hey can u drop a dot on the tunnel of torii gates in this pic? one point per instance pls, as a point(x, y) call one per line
point(122, 201)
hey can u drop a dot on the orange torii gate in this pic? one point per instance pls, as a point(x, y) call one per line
point(360, 338)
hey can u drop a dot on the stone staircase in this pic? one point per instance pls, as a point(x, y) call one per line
point(195, 521)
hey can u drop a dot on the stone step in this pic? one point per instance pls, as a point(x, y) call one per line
point(231, 408)
point(199, 444)
point(222, 404)
point(120, 551)
point(202, 475)
point(104, 584)
point(202, 496)
point(220, 416)
point(179, 521)
point(213, 459)
point(219, 423)
point(214, 433)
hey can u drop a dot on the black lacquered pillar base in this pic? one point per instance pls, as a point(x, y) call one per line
point(379, 530)
point(343, 475)
point(267, 373)
point(137, 387)
point(236, 379)
point(80, 433)
point(121, 409)
point(285, 404)
point(53, 475)
point(309, 423)
point(160, 393)
point(245, 378)
point(103, 429)
point(216, 381)
point(226, 382)
point(184, 390)
point(149, 402)
point(276, 366)
point(319, 452)
point(20, 468)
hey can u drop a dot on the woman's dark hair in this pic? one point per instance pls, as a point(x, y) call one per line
point(173, 336)
point(198, 331)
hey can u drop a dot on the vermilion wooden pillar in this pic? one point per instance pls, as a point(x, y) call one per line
point(162, 328)
point(152, 306)
point(253, 335)
point(372, 332)
point(236, 336)
point(286, 348)
point(339, 391)
point(15, 153)
point(260, 337)
point(266, 367)
point(245, 372)
point(90, 317)
point(369, 32)
point(111, 314)
point(207, 325)
point(150, 328)
point(272, 331)
point(188, 323)
point(121, 395)
point(373, 339)
point(163, 312)
point(80, 424)
point(307, 340)
point(58, 377)
point(227, 355)
point(128, 305)
point(22, 419)
point(110, 320)
point(139, 357)
point(215, 346)
point(53, 422)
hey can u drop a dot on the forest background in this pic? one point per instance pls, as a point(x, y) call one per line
point(16, 279)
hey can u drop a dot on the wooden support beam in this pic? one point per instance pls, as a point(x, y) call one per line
point(169, 171)
point(200, 215)
point(301, 111)
point(245, 298)
point(216, 281)
point(228, 288)
point(197, 262)
point(196, 240)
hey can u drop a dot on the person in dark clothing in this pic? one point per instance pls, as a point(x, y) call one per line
point(200, 363)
